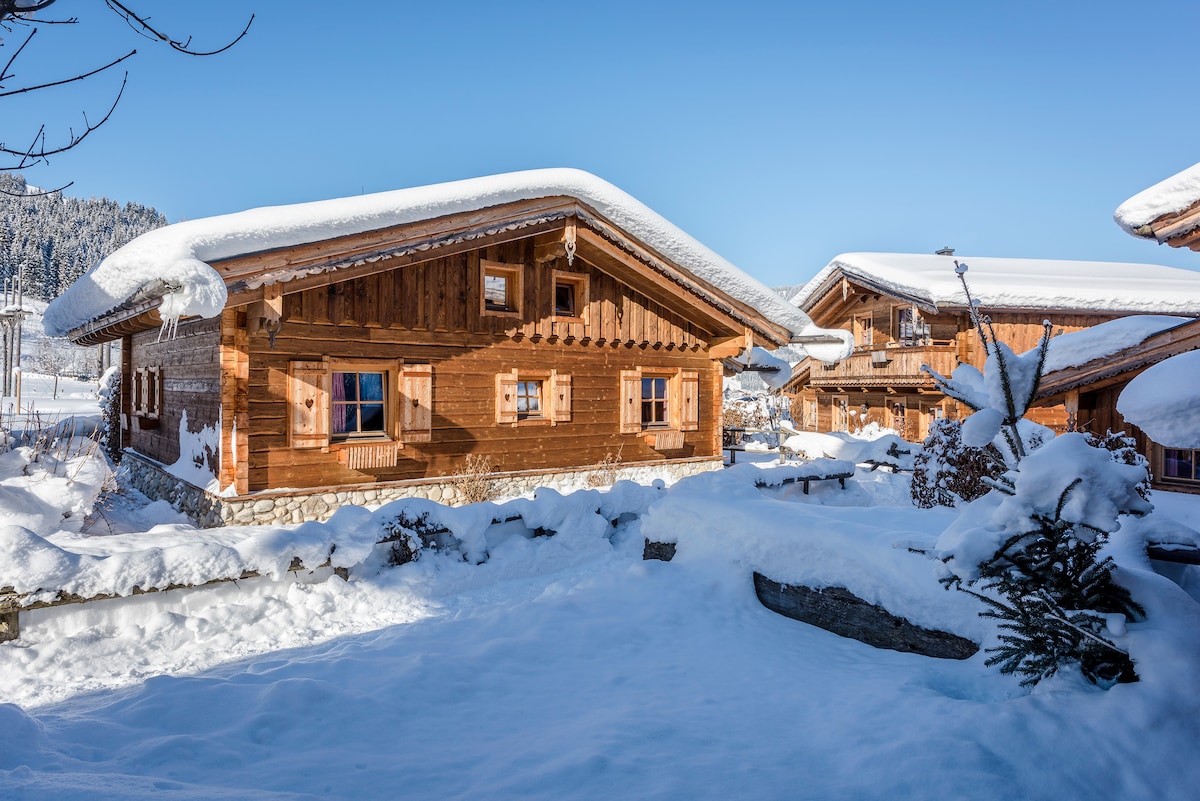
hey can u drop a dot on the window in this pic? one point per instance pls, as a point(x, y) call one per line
point(334, 403)
point(1180, 464)
point(357, 405)
point(841, 413)
point(570, 295)
point(864, 331)
point(662, 399)
point(654, 401)
point(533, 396)
point(147, 393)
point(910, 328)
point(529, 399)
point(501, 288)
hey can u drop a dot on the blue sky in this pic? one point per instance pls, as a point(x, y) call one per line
point(779, 134)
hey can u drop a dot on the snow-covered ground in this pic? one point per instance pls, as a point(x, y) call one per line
point(567, 667)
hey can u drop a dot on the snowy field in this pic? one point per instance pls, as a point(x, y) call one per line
point(567, 667)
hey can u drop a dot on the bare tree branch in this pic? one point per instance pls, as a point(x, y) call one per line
point(142, 25)
point(20, 12)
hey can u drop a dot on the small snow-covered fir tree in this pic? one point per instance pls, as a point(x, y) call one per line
point(1031, 549)
point(110, 414)
point(948, 473)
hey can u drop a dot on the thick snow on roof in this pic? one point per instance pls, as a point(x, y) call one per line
point(1106, 339)
point(180, 254)
point(1165, 197)
point(1163, 401)
point(1019, 283)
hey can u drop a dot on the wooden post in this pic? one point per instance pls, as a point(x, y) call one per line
point(235, 407)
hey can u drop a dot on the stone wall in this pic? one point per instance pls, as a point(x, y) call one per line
point(296, 506)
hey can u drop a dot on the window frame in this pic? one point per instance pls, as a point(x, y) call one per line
point(554, 399)
point(1162, 465)
point(580, 292)
point(513, 275)
point(147, 393)
point(387, 379)
point(665, 401)
point(681, 403)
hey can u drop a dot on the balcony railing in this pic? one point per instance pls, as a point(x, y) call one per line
point(880, 366)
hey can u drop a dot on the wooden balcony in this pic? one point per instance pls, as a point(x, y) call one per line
point(880, 366)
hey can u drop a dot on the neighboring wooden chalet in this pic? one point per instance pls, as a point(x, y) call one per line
point(365, 347)
point(909, 310)
point(1167, 213)
point(1088, 391)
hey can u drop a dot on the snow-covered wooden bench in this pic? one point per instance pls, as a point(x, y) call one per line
point(804, 474)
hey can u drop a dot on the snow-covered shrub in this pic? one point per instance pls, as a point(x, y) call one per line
point(409, 533)
point(1030, 550)
point(1124, 450)
point(110, 414)
point(946, 472)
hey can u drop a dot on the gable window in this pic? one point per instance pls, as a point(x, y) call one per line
point(1181, 464)
point(910, 328)
point(501, 288)
point(357, 404)
point(570, 295)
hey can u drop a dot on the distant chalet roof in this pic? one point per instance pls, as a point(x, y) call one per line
point(171, 267)
point(929, 281)
point(1168, 212)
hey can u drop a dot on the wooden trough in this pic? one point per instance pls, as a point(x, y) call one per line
point(840, 611)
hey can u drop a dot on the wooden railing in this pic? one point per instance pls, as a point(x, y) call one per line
point(880, 365)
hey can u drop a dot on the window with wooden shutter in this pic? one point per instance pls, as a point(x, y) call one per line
point(631, 402)
point(416, 417)
point(689, 396)
point(560, 401)
point(506, 397)
point(308, 404)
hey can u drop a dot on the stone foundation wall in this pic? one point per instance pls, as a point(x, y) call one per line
point(296, 506)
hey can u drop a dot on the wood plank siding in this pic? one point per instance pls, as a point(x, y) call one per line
point(429, 329)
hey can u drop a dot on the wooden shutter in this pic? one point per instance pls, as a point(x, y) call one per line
point(308, 404)
point(689, 395)
point(416, 402)
point(560, 398)
point(631, 402)
point(506, 397)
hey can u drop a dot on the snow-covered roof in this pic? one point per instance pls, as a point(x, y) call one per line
point(1170, 196)
point(1106, 339)
point(181, 254)
point(929, 280)
point(1163, 402)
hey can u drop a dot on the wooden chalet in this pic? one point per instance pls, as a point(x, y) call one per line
point(546, 326)
point(909, 310)
point(1167, 213)
point(1087, 392)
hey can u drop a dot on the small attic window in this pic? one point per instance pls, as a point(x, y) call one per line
point(501, 288)
point(570, 295)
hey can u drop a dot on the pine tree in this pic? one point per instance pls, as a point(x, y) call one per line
point(1053, 509)
point(946, 472)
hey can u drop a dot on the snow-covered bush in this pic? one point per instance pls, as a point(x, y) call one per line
point(948, 473)
point(110, 414)
point(1031, 548)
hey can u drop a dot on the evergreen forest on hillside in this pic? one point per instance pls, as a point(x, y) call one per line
point(56, 238)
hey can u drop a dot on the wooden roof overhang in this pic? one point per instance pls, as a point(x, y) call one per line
point(1180, 229)
point(252, 277)
point(1113, 369)
point(838, 287)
